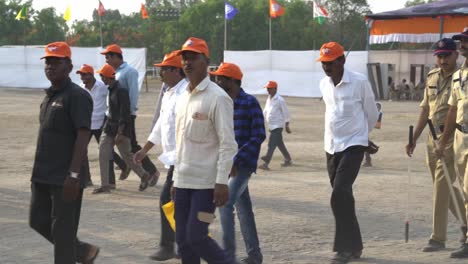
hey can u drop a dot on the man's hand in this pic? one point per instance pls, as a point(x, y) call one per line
point(139, 156)
point(71, 189)
point(288, 130)
point(410, 149)
point(440, 150)
point(119, 138)
point(220, 195)
point(233, 172)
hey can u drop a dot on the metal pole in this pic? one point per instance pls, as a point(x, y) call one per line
point(100, 30)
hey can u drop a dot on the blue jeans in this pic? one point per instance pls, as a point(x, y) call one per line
point(239, 196)
point(191, 232)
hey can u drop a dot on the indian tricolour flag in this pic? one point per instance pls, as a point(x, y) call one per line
point(320, 13)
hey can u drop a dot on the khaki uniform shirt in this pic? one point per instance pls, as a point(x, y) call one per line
point(459, 94)
point(436, 96)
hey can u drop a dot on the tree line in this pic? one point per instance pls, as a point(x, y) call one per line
point(171, 22)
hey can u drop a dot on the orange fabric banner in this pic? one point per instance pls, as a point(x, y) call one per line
point(417, 25)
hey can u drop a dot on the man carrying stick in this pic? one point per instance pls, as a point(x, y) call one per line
point(434, 107)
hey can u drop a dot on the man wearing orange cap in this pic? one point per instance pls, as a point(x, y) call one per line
point(350, 115)
point(277, 115)
point(163, 133)
point(249, 130)
point(60, 170)
point(98, 91)
point(457, 122)
point(128, 80)
point(205, 148)
point(117, 130)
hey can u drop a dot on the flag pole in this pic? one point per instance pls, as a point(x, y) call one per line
point(270, 34)
point(225, 33)
point(100, 29)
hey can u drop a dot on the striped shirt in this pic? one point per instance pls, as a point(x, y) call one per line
point(249, 128)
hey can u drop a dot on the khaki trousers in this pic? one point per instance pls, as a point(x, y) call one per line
point(461, 157)
point(442, 200)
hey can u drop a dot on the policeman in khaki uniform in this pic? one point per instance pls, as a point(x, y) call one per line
point(434, 106)
point(457, 120)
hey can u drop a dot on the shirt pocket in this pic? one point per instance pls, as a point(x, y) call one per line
point(200, 130)
point(346, 107)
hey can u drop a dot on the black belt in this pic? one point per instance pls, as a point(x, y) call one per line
point(462, 128)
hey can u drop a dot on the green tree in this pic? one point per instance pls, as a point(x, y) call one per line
point(12, 31)
point(47, 27)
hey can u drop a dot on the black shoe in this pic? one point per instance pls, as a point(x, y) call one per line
point(342, 257)
point(154, 179)
point(433, 245)
point(92, 254)
point(249, 260)
point(124, 174)
point(264, 158)
point(286, 163)
point(163, 254)
point(102, 189)
point(264, 166)
point(367, 164)
point(144, 182)
point(462, 252)
point(112, 186)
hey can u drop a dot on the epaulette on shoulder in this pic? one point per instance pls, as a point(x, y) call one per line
point(436, 70)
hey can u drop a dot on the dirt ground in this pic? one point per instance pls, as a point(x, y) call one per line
point(293, 215)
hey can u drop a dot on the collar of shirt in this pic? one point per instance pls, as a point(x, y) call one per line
point(201, 86)
point(344, 79)
point(51, 91)
point(179, 87)
point(123, 65)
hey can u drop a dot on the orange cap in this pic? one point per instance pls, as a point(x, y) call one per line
point(172, 59)
point(114, 48)
point(107, 71)
point(57, 49)
point(196, 45)
point(330, 51)
point(229, 70)
point(85, 68)
point(271, 84)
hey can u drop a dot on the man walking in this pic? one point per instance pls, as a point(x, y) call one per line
point(205, 147)
point(163, 133)
point(117, 131)
point(128, 79)
point(249, 131)
point(434, 107)
point(98, 91)
point(350, 114)
point(60, 165)
point(277, 115)
point(457, 118)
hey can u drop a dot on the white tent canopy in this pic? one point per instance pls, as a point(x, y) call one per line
point(296, 72)
point(21, 66)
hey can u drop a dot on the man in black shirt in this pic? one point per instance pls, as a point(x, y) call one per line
point(117, 131)
point(60, 165)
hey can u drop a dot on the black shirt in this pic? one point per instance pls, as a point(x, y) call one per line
point(63, 111)
point(119, 111)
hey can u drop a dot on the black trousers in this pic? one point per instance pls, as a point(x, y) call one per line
point(276, 140)
point(167, 234)
point(343, 168)
point(146, 162)
point(57, 221)
point(96, 133)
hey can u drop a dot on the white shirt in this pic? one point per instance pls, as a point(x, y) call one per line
point(276, 112)
point(163, 132)
point(205, 142)
point(99, 94)
point(350, 112)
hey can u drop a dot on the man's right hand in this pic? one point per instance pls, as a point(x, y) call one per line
point(139, 156)
point(410, 149)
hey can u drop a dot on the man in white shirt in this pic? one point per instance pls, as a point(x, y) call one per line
point(205, 149)
point(98, 91)
point(350, 115)
point(163, 134)
point(277, 116)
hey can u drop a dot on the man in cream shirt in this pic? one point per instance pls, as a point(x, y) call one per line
point(205, 148)
point(350, 115)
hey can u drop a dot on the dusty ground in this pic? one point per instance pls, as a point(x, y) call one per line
point(294, 219)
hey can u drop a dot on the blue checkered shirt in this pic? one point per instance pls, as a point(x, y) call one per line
point(249, 128)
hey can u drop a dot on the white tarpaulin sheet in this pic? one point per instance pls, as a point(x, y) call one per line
point(296, 72)
point(21, 66)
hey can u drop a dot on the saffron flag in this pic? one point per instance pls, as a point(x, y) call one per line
point(320, 13)
point(275, 9)
point(67, 14)
point(22, 14)
point(144, 13)
point(101, 11)
point(229, 11)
